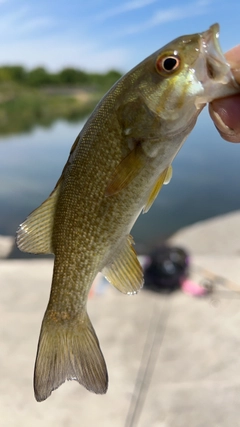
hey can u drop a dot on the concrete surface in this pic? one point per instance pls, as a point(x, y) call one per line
point(173, 361)
point(217, 235)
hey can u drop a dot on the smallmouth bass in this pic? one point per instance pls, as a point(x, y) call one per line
point(115, 170)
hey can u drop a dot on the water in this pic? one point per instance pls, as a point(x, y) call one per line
point(205, 183)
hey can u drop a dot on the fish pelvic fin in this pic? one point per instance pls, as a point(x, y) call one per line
point(68, 349)
point(35, 233)
point(124, 271)
point(164, 178)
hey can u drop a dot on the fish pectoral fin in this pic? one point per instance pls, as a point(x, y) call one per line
point(68, 349)
point(35, 233)
point(164, 178)
point(126, 171)
point(168, 177)
point(125, 272)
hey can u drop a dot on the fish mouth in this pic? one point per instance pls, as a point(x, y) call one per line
point(216, 65)
point(212, 69)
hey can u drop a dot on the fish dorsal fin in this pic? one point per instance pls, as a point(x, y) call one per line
point(35, 233)
point(126, 171)
point(164, 178)
point(125, 271)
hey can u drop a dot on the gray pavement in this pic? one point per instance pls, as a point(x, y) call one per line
point(173, 361)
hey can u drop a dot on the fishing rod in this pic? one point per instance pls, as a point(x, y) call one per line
point(151, 349)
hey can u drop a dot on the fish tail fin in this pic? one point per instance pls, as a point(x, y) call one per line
point(68, 349)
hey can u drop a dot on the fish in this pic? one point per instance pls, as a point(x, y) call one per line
point(115, 170)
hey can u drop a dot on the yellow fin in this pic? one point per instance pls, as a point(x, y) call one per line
point(168, 176)
point(68, 349)
point(157, 187)
point(125, 272)
point(35, 233)
point(126, 171)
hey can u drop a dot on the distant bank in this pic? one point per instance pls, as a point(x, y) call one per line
point(37, 97)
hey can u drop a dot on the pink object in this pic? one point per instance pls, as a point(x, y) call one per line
point(192, 288)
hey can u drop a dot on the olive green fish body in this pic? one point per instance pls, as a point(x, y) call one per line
point(116, 167)
point(90, 226)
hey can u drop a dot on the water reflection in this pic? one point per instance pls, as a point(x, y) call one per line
point(205, 182)
point(30, 165)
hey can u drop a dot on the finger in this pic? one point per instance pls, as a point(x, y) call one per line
point(233, 58)
point(226, 112)
point(226, 116)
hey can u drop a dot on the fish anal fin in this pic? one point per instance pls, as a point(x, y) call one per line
point(164, 178)
point(126, 171)
point(125, 271)
point(35, 233)
point(68, 349)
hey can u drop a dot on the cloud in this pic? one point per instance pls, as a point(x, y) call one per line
point(169, 15)
point(21, 23)
point(126, 7)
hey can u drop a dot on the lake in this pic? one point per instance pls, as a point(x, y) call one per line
point(205, 182)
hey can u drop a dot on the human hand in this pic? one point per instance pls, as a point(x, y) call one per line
point(225, 112)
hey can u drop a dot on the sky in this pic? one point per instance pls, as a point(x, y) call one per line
point(98, 35)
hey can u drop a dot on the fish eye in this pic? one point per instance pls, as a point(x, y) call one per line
point(167, 64)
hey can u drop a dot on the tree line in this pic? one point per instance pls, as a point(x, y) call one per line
point(39, 76)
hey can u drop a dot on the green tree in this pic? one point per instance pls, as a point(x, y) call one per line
point(73, 76)
point(15, 73)
point(38, 77)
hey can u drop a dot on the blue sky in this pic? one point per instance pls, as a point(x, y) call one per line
point(97, 35)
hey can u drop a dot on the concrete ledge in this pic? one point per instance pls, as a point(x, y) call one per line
point(219, 235)
point(6, 246)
